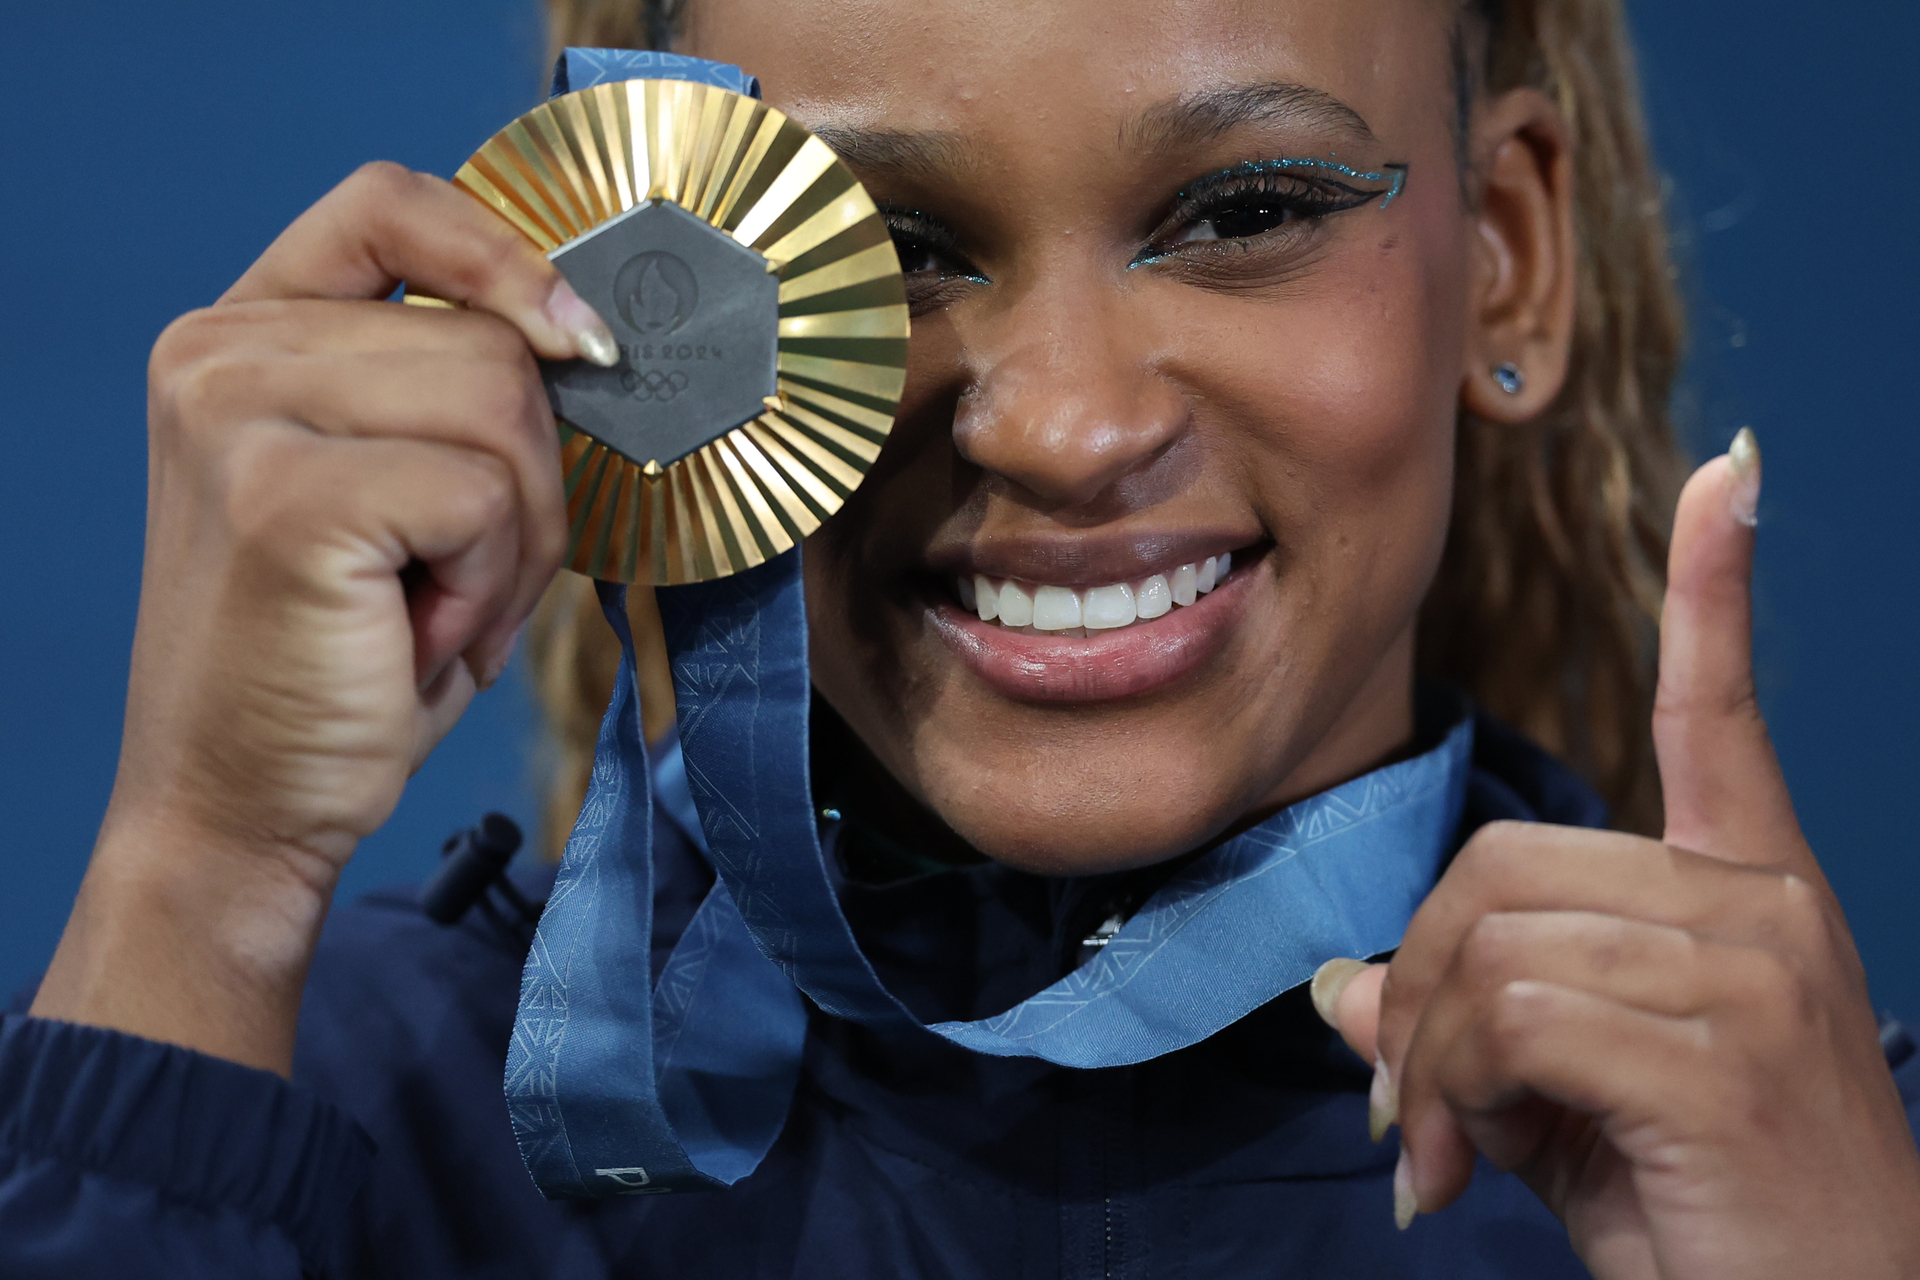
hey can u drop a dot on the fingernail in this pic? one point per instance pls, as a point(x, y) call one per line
point(496, 668)
point(1405, 1203)
point(591, 337)
point(497, 662)
point(1383, 1104)
point(1744, 498)
point(1329, 981)
point(505, 660)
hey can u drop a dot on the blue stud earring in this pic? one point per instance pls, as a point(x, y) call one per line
point(1511, 380)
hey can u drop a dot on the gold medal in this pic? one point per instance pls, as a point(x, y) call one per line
point(758, 304)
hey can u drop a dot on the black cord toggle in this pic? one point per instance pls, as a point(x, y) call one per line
point(473, 862)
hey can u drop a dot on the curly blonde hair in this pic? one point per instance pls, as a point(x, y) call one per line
point(1546, 604)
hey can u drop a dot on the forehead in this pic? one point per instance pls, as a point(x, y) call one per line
point(1075, 70)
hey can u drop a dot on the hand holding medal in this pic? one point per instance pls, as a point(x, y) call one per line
point(356, 505)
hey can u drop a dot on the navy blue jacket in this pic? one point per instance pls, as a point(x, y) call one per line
point(390, 1154)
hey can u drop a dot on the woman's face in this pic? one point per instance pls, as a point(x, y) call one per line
point(1138, 343)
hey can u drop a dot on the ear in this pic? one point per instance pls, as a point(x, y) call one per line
point(1521, 307)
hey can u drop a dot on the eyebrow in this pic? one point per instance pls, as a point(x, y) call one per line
point(1202, 117)
point(899, 152)
point(1168, 126)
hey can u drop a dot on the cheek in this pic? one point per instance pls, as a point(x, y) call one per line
point(863, 563)
point(1338, 401)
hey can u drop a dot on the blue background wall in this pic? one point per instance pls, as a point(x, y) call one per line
point(151, 151)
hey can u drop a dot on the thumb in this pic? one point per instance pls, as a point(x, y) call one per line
point(1346, 993)
point(1722, 784)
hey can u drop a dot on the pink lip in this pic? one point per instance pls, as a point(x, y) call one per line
point(1122, 663)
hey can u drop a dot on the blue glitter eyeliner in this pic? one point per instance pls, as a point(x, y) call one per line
point(1395, 173)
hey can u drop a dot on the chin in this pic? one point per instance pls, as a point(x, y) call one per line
point(1021, 803)
point(1122, 844)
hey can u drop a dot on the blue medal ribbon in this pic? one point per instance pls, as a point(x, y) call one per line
point(584, 68)
point(619, 1088)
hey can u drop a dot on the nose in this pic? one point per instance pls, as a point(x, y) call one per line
point(1066, 401)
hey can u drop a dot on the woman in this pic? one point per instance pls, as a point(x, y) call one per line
point(1404, 421)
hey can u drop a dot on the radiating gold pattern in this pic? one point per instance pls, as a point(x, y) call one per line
point(581, 159)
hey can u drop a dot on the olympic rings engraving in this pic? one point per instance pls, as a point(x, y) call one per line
point(656, 385)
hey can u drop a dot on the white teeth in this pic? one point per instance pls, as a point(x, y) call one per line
point(1154, 597)
point(1065, 611)
point(983, 597)
point(1016, 606)
point(1056, 609)
point(1107, 607)
point(1186, 584)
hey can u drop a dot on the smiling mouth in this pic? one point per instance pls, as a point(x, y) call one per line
point(1067, 612)
point(1059, 643)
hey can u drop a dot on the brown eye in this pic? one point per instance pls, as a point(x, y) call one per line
point(938, 273)
point(925, 247)
point(916, 255)
point(1248, 217)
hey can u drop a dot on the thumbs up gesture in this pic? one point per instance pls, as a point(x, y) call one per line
point(1670, 1041)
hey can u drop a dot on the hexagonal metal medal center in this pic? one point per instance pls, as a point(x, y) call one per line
point(697, 317)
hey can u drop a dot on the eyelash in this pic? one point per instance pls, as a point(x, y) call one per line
point(1295, 198)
